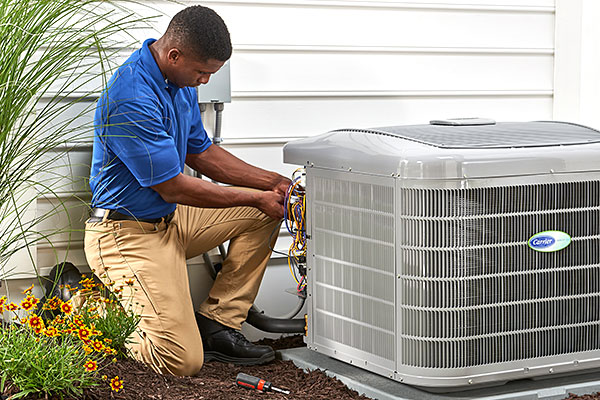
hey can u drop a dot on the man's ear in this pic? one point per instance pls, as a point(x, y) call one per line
point(173, 55)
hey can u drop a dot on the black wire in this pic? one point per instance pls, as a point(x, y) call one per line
point(277, 227)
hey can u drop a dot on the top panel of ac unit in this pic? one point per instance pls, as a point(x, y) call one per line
point(477, 133)
point(453, 151)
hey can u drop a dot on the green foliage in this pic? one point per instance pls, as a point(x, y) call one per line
point(62, 354)
point(38, 364)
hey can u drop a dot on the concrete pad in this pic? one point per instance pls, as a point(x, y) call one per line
point(381, 388)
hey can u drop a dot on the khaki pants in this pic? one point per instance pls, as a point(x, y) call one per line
point(153, 256)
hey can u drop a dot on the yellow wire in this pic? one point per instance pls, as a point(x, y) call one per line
point(297, 248)
point(292, 271)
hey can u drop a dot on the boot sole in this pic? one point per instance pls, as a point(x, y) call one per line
point(215, 356)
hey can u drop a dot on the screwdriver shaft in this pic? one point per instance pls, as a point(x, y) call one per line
point(275, 389)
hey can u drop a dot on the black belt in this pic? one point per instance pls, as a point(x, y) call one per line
point(97, 215)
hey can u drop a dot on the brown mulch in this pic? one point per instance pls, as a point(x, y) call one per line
point(216, 381)
point(593, 396)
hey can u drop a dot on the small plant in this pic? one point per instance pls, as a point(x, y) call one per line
point(63, 355)
point(36, 363)
point(106, 309)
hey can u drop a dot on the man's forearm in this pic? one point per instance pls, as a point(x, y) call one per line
point(191, 191)
point(196, 192)
point(220, 165)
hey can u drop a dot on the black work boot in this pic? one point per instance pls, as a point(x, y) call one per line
point(226, 344)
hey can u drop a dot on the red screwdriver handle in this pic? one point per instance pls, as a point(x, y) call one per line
point(252, 382)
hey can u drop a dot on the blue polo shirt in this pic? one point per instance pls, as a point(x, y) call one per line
point(143, 129)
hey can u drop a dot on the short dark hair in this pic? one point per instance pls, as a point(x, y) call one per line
point(202, 32)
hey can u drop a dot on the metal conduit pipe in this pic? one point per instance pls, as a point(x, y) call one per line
point(216, 140)
point(211, 268)
point(219, 107)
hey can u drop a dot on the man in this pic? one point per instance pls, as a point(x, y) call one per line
point(148, 218)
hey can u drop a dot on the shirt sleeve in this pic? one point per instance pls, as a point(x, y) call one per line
point(198, 139)
point(135, 132)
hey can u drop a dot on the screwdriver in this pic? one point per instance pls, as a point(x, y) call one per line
point(252, 382)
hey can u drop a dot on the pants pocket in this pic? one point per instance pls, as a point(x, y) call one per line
point(136, 273)
point(146, 291)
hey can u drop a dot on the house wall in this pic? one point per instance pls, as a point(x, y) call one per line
point(303, 67)
point(577, 62)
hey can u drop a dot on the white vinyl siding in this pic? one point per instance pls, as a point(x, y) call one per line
point(303, 67)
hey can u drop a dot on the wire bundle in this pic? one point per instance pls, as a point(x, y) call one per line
point(294, 211)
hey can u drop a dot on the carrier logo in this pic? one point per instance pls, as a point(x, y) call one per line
point(549, 241)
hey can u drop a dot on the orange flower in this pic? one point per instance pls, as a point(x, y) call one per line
point(32, 299)
point(88, 283)
point(38, 329)
point(116, 384)
point(52, 304)
point(97, 345)
point(129, 282)
point(87, 349)
point(28, 290)
point(109, 351)
point(35, 321)
point(91, 366)
point(66, 308)
point(27, 304)
point(12, 307)
point(78, 320)
point(51, 332)
point(84, 334)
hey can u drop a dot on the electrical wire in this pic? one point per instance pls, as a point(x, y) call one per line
point(294, 210)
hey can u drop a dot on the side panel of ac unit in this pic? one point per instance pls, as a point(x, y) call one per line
point(476, 304)
point(351, 268)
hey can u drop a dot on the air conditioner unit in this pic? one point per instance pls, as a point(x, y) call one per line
point(457, 253)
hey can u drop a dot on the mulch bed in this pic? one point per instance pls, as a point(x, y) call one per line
point(216, 381)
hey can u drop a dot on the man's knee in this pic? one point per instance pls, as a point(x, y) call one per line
point(189, 368)
point(185, 362)
point(184, 358)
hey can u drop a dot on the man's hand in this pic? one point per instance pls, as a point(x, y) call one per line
point(271, 203)
point(282, 185)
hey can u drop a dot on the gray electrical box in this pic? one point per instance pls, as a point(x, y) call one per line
point(218, 89)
